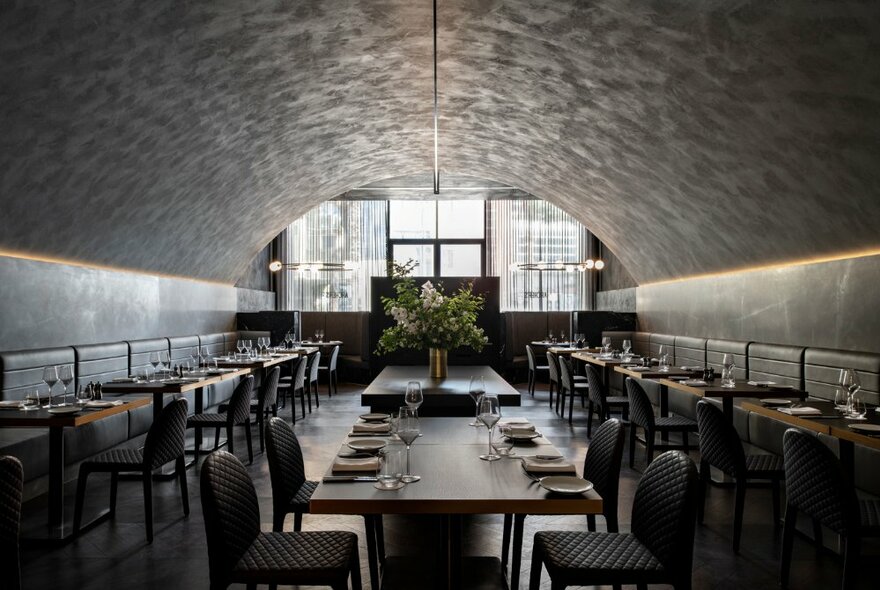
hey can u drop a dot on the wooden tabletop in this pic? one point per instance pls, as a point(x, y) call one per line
point(262, 362)
point(454, 481)
point(656, 373)
point(43, 419)
point(601, 362)
point(439, 431)
point(154, 387)
point(838, 426)
point(742, 389)
point(565, 350)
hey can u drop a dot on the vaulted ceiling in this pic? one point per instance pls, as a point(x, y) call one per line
point(691, 137)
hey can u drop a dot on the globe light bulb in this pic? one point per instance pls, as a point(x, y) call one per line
point(275, 265)
point(600, 265)
point(589, 263)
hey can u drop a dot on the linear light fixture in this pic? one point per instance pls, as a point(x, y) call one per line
point(304, 267)
point(588, 264)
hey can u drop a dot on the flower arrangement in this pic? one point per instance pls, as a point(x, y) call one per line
point(427, 318)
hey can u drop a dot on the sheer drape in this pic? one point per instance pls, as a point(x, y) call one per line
point(335, 231)
point(536, 231)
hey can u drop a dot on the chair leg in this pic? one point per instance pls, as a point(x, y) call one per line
point(590, 420)
point(297, 521)
point(570, 405)
point(229, 438)
point(217, 440)
point(787, 542)
point(329, 384)
point(505, 540)
point(550, 392)
point(852, 547)
point(114, 489)
point(180, 467)
point(535, 571)
point(738, 512)
point(774, 485)
point(611, 517)
point(302, 401)
point(247, 437)
point(516, 562)
point(649, 446)
point(197, 442)
point(685, 442)
point(260, 429)
point(80, 498)
point(591, 522)
point(356, 583)
point(632, 444)
point(317, 396)
point(704, 489)
point(148, 503)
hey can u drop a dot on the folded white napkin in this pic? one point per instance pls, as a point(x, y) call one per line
point(125, 380)
point(695, 382)
point(362, 464)
point(804, 411)
point(533, 465)
point(10, 404)
point(371, 427)
point(639, 369)
point(762, 383)
point(104, 403)
point(519, 430)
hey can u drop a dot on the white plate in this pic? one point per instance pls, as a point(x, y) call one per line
point(369, 446)
point(566, 484)
point(374, 417)
point(523, 436)
point(772, 401)
point(64, 410)
point(869, 428)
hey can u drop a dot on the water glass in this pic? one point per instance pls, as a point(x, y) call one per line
point(858, 409)
point(627, 347)
point(50, 378)
point(501, 444)
point(84, 395)
point(31, 400)
point(841, 400)
point(728, 378)
point(390, 469)
point(414, 397)
point(490, 414)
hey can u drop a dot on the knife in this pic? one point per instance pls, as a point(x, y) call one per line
point(346, 478)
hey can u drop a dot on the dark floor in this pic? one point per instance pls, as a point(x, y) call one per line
point(115, 554)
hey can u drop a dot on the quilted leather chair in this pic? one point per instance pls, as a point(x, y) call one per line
point(568, 387)
point(330, 369)
point(312, 379)
point(816, 484)
point(553, 376)
point(534, 369)
point(11, 484)
point(721, 447)
point(297, 383)
point(238, 552)
point(600, 401)
point(291, 491)
point(659, 550)
point(165, 443)
point(238, 413)
point(602, 468)
point(641, 414)
point(266, 402)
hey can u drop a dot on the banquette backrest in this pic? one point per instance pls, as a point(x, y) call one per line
point(822, 370)
point(215, 343)
point(617, 338)
point(139, 353)
point(522, 328)
point(352, 328)
point(667, 341)
point(776, 362)
point(641, 342)
point(690, 351)
point(716, 349)
point(101, 362)
point(230, 339)
point(557, 321)
point(181, 347)
point(311, 321)
point(22, 370)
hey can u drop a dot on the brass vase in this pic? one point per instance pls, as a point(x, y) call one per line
point(437, 362)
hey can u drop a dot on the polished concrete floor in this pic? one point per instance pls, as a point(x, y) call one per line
point(115, 554)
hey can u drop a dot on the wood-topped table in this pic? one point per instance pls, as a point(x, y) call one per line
point(57, 529)
point(727, 394)
point(566, 351)
point(443, 397)
point(455, 481)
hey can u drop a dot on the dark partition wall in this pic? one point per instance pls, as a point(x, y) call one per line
point(277, 322)
point(592, 323)
point(488, 319)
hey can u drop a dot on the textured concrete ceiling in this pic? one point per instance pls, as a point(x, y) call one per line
point(691, 137)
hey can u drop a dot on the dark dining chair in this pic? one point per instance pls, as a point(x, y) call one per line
point(553, 377)
point(535, 370)
point(239, 552)
point(297, 384)
point(291, 491)
point(265, 404)
point(641, 415)
point(568, 387)
point(602, 469)
point(721, 447)
point(165, 443)
point(658, 550)
point(312, 379)
point(11, 489)
point(238, 413)
point(330, 369)
point(599, 402)
point(816, 484)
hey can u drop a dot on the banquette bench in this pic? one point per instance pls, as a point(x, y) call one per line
point(21, 371)
point(814, 370)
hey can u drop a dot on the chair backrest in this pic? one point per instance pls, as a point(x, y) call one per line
point(239, 410)
point(720, 445)
point(597, 390)
point(299, 378)
point(663, 516)
point(313, 367)
point(553, 363)
point(602, 463)
point(286, 469)
point(641, 412)
point(815, 482)
point(268, 395)
point(334, 355)
point(231, 513)
point(166, 438)
point(565, 380)
point(11, 483)
point(530, 353)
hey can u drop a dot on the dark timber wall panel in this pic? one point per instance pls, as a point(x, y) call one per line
point(46, 304)
point(829, 305)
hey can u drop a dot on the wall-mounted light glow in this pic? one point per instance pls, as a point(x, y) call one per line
point(275, 265)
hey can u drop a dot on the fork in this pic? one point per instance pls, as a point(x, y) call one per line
point(534, 478)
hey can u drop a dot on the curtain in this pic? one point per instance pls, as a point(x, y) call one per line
point(337, 232)
point(530, 231)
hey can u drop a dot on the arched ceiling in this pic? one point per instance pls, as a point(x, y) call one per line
point(691, 137)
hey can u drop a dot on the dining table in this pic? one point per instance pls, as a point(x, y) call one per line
point(454, 482)
point(57, 529)
point(742, 389)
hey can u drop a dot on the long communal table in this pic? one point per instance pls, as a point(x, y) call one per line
point(455, 482)
point(57, 528)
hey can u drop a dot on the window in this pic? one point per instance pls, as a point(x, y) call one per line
point(461, 219)
point(461, 260)
point(412, 220)
point(421, 254)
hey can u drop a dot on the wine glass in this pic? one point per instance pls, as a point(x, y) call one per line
point(858, 408)
point(50, 378)
point(83, 395)
point(841, 397)
point(155, 361)
point(408, 432)
point(606, 344)
point(65, 375)
point(851, 382)
point(490, 414)
point(239, 346)
point(205, 354)
point(476, 391)
point(414, 397)
point(317, 335)
point(194, 357)
point(550, 336)
point(727, 367)
point(627, 347)
point(562, 337)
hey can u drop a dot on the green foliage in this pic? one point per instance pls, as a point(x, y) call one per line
point(427, 318)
